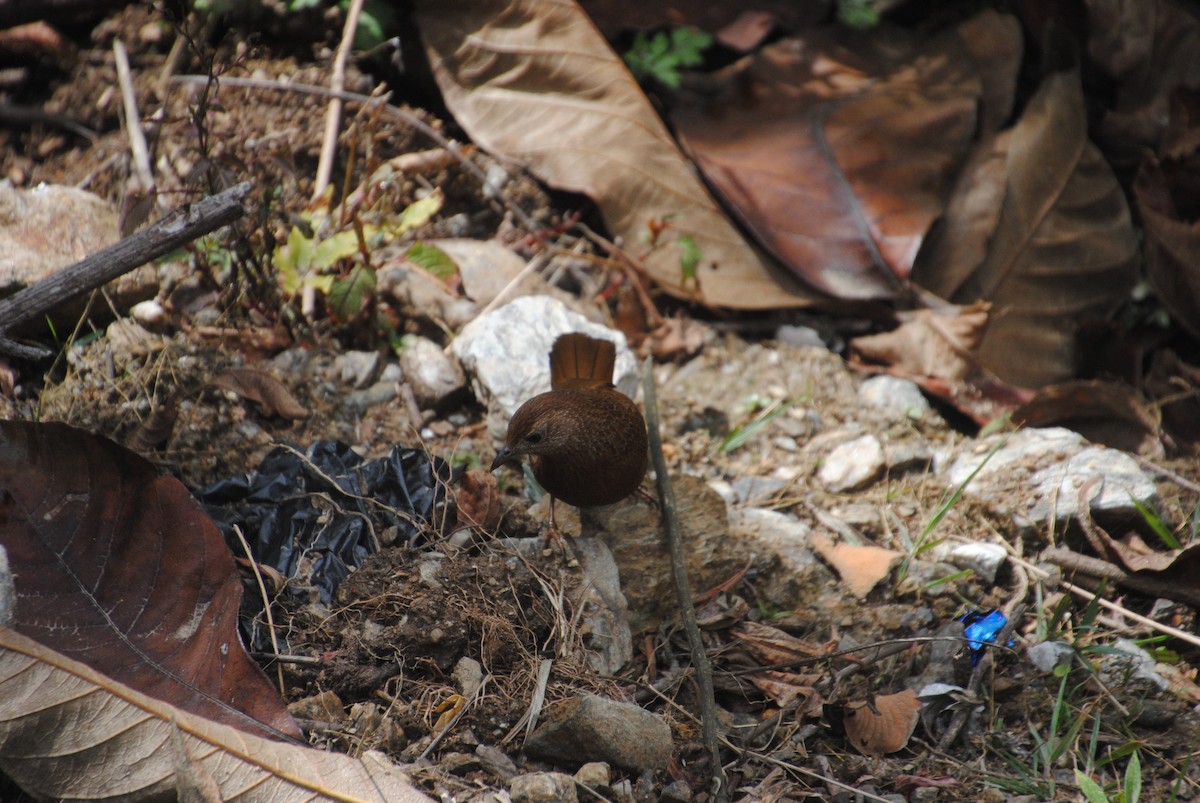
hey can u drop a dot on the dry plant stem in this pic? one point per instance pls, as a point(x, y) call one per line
point(983, 667)
point(767, 757)
point(178, 227)
point(405, 117)
point(133, 119)
point(333, 116)
point(1163, 471)
point(1095, 567)
point(1083, 593)
point(266, 601)
point(683, 587)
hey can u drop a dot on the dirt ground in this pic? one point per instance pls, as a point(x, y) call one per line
point(389, 643)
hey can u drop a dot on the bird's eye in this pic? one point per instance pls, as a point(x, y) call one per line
point(534, 438)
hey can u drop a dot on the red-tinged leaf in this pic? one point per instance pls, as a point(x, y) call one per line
point(838, 152)
point(118, 568)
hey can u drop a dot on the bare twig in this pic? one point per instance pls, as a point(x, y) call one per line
point(683, 587)
point(333, 115)
point(133, 120)
point(177, 228)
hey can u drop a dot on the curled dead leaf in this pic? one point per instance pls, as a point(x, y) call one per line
point(934, 343)
point(883, 724)
point(263, 389)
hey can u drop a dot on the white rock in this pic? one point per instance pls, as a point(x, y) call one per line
point(898, 396)
point(853, 465)
point(983, 559)
point(506, 352)
point(431, 373)
point(1041, 472)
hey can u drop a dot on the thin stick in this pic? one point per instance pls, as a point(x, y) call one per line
point(262, 590)
point(133, 119)
point(178, 227)
point(1112, 606)
point(683, 588)
point(333, 116)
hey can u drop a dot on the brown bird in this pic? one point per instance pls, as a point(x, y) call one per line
point(585, 440)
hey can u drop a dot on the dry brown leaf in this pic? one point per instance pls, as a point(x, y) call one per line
point(1148, 48)
point(1172, 246)
point(535, 82)
point(478, 499)
point(929, 343)
point(860, 567)
point(117, 565)
point(886, 729)
point(839, 151)
point(785, 688)
point(1062, 250)
point(264, 389)
point(772, 645)
point(67, 731)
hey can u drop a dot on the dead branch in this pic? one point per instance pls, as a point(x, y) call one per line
point(177, 228)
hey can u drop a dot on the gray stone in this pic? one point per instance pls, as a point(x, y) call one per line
point(487, 267)
point(1041, 472)
point(852, 466)
point(506, 353)
point(358, 368)
point(431, 373)
point(605, 611)
point(898, 396)
point(757, 490)
point(595, 775)
point(1045, 655)
point(591, 728)
point(799, 335)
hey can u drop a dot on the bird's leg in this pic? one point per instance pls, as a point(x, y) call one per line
point(554, 533)
point(647, 496)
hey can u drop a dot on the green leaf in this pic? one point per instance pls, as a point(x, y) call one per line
point(333, 250)
point(292, 260)
point(432, 260)
point(418, 213)
point(1091, 790)
point(1155, 523)
point(1133, 779)
point(348, 297)
point(660, 57)
point(689, 258)
point(739, 435)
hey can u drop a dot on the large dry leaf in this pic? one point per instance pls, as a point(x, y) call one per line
point(534, 81)
point(67, 731)
point(1172, 246)
point(839, 151)
point(1148, 48)
point(1057, 251)
point(120, 569)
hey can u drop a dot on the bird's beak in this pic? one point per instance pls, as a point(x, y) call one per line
point(505, 455)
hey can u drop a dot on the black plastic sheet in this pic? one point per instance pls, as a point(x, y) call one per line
point(321, 513)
